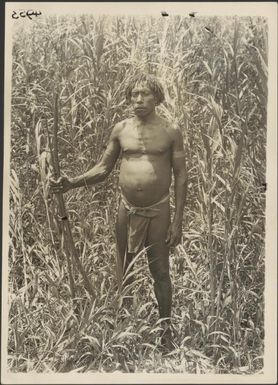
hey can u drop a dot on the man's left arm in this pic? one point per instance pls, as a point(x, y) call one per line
point(180, 180)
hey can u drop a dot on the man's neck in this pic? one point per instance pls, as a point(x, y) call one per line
point(150, 118)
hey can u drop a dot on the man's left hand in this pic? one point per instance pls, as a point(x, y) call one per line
point(174, 234)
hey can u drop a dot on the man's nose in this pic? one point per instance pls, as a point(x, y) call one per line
point(139, 98)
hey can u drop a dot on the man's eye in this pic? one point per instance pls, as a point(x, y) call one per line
point(143, 94)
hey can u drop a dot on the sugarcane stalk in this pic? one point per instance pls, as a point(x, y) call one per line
point(70, 247)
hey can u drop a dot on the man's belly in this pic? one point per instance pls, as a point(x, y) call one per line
point(143, 181)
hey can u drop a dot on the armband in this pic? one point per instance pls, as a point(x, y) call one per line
point(178, 154)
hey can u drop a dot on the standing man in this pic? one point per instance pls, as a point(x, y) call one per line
point(151, 150)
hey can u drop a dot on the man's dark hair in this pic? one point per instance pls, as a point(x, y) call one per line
point(152, 82)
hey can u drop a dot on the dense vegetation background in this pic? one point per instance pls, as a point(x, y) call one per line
point(214, 71)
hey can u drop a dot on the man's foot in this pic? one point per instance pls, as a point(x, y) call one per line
point(167, 344)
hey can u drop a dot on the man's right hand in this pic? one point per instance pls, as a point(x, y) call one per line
point(61, 185)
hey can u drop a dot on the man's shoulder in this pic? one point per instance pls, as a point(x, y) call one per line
point(171, 128)
point(118, 127)
point(121, 125)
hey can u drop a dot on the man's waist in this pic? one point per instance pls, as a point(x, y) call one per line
point(149, 210)
point(143, 193)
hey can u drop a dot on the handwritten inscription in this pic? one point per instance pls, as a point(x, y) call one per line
point(29, 14)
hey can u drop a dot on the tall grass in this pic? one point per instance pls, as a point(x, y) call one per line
point(216, 91)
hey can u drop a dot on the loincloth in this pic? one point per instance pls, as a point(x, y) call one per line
point(138, 222)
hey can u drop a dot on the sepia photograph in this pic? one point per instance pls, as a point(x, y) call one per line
point(139, 212)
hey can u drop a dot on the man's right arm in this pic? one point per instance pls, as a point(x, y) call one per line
point(99, 172)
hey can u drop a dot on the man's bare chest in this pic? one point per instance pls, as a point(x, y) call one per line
point(153, 140)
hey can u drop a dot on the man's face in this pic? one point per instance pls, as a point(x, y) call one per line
point(143, 100)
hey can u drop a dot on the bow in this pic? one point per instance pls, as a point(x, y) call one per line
point(70, 249)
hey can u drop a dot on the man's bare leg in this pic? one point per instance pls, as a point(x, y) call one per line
point(123, 258)
point(158, 258)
